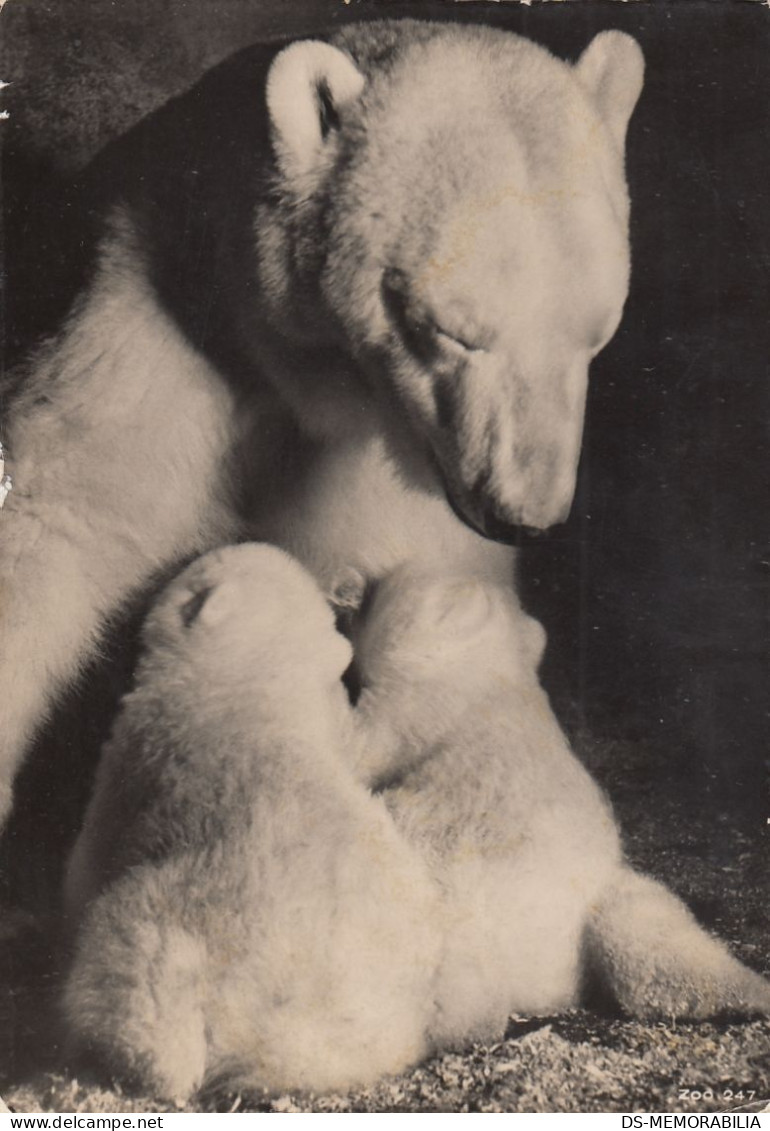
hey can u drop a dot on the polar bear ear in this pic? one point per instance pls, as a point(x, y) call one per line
point(209, 605)
point(612, 69)
point(308, 86)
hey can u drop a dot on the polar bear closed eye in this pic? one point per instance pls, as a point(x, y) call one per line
point(245, 910)
point(365, 344)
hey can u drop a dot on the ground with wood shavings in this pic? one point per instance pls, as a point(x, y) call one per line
point(577, 1062)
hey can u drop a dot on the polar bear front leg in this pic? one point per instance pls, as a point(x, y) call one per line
point(118, 450)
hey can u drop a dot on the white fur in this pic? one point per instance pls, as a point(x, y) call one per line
point(237, 883)
point(292, 101)
point(612, 69)
point(125, 441)
point(114, 480)
point(248, 911)
point(460, 740)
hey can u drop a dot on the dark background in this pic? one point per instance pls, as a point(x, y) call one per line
point(655, 591)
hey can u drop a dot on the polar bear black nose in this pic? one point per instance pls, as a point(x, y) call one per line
point(487, 518)
point(498, 529)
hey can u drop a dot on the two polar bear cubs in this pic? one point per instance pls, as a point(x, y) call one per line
point(277, 889)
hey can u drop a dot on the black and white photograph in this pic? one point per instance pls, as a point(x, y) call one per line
point(384, 556)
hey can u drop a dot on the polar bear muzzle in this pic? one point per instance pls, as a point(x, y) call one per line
point(502, 421)
point(478, 249)
point(474, 208)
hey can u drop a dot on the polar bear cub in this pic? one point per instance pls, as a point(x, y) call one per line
point(539, 906)
point(247, 910)
point(278, 890)
point(479, 779)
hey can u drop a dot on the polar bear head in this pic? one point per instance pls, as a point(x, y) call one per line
point(251, 615)
point(450, 207)
point(456, 631)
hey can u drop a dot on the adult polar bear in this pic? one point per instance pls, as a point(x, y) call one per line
point(336, 286)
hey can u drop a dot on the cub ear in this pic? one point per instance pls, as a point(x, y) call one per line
point(612, 69)
point(210, 604)
point(308, 85)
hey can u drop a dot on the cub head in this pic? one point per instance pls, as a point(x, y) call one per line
point(450, 209)
point(249, 611)
point(423, 627)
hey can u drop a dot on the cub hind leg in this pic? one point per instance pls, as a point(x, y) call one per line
point(646, 949)
point(134, 999)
